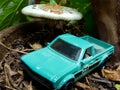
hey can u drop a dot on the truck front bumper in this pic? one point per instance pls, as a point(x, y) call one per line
point(43, 81)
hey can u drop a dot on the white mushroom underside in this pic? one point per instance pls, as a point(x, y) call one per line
point(37, 11)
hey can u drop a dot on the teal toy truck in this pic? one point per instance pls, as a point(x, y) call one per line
point(66, 60)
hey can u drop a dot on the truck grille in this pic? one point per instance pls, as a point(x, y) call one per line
point(37, 77)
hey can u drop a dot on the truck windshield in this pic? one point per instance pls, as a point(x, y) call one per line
point(66, 49)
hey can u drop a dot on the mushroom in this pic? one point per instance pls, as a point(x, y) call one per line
point(59, 15)
point(52, 11)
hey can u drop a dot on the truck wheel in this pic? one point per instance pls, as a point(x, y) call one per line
point(68, 86)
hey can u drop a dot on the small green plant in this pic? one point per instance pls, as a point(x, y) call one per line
point(84, 6)
point(50, 2)
point(10, 12)
point(117, 86)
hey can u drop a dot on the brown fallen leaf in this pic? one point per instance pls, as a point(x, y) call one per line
point(35, 46)
point(82, 85)
point(111, 74)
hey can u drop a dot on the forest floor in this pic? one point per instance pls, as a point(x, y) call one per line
point(12, 76)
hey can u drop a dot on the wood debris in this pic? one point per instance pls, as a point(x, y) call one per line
point(82, 85)
point(35, 46)
point(112, 74)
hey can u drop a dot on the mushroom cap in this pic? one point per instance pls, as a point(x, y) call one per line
point(61, 13)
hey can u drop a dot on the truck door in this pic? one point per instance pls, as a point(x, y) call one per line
point(85, 63)
point(89, 62)
point(88, 54)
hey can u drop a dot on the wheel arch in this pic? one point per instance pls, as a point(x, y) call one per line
point(65, 80)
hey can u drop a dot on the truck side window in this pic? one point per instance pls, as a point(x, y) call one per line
point(88, 53)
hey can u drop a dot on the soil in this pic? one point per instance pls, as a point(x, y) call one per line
point(17, 40)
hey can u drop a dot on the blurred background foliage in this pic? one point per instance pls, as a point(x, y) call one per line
point(84, 6)
point(10, 12)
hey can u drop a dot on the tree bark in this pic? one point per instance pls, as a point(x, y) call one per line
point(107, 19)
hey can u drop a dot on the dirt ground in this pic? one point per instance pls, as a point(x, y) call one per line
point(21, 39)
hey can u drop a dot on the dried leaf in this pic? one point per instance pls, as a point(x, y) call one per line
point(111, 74)
point(82, 85)
point(35, 46)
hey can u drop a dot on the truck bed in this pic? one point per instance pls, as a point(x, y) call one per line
point(98, 45)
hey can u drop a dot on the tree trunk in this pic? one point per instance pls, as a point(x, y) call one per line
point(107, 19)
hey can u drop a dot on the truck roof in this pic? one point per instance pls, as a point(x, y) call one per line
point(77, 41)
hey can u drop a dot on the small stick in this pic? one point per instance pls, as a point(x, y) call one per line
point(110, 84)
point(9, 87)
point(12, 49)
point(88, 82)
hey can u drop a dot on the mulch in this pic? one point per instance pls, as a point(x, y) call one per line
point(15, 41)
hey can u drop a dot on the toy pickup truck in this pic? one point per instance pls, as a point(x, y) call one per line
point(65, 60)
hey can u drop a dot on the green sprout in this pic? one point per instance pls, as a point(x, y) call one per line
point(52, 2)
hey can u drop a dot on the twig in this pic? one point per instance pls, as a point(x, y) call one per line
point(9, 79)
point(27, 50)
point(10, 87)
point(101, 80)
point(6, 77)
point(88, 82)
point(12, 49)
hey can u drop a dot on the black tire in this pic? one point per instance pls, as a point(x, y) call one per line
point(68, 86)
